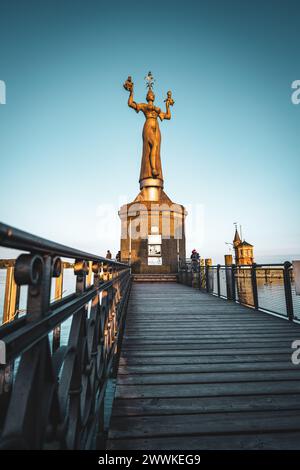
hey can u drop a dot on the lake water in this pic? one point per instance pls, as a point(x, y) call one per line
point(68, 288)
point(271, 294)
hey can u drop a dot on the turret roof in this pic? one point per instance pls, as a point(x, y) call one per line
point(236, 237)
point(244, 243)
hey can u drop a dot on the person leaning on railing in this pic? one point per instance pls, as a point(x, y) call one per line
point(195, 260)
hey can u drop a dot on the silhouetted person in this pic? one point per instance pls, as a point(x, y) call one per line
point(118, 256)
point(195, 260)
point(108, 254)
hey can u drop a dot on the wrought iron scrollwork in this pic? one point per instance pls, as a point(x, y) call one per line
point(57, 397)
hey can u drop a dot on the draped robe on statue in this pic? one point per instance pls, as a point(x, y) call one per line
point(151, 142)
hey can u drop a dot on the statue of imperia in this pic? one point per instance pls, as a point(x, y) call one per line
point(151, 162)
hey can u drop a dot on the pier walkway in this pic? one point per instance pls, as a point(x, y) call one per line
point(198, 372)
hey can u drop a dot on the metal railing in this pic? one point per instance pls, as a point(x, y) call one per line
point(53, 391)
point(269, 288)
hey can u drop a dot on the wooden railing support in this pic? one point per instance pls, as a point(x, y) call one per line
point(254, 286)
point(11, 297)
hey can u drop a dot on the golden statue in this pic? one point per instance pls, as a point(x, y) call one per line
point(151, 171)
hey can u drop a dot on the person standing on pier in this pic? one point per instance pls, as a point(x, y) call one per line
point(195, 260)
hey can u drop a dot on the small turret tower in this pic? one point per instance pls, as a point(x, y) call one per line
point(237, 240)
point(243, 250)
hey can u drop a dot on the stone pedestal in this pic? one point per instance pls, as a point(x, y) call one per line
point(153, 232)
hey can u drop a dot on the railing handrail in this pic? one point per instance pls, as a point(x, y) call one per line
point(207, 277)
point(21, 335)
point(257, 265)
point(12, 237)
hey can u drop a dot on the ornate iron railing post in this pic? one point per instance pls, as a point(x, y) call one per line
point(218, 280)
point(75, 382)
point(11, 297)
point(233, 283)
point(254, 286)
point(288, 290)
point(207, 277)
point(95, 350)
point(228, 276)
point(35, 365)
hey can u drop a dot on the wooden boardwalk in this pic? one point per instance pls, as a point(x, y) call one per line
point(198, 372)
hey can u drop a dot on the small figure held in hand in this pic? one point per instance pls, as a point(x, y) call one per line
point(128, 85)
point(169, 99)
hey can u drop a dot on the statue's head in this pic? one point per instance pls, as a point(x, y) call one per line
point(150, 96)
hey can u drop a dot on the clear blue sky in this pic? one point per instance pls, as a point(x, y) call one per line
point(70, 147)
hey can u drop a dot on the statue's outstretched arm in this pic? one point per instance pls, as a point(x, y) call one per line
point(128, 85)
point(167, 114)
point(169, 102)
point(132, 104)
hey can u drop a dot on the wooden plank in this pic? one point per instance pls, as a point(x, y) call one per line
point(262, 441)
point(186, 329)
point(242, 334)
point(205, 424)
point(185, 316)
point(170, 406)
point(175, 368)
point(207, 390)
point(205, 359)
point(127, 352)
point(197, 340)
point(208, 377)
